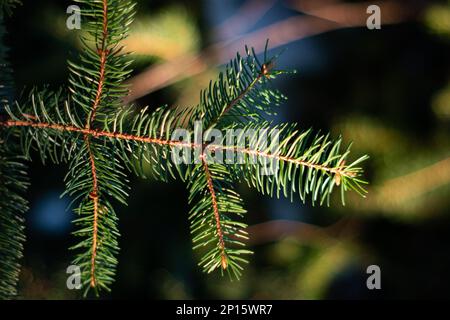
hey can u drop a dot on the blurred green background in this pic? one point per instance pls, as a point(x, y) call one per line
point(386, 90)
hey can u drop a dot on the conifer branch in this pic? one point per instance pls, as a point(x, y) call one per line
point(89, 128)
point(13, 180)
point(103, 52)
point(262, 73)
point(221, 243)
point(13, 184)
point(214, 213)
point(341, 169)
point(105, 65)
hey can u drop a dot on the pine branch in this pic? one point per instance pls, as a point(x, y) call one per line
point(107, 68)
point(213, 219)
point(93, 178)
point(94, 197)
point(99, 138)
point(241, 94)
point(103, 53)
point(49, 108)
point(319, 160)
point(5, 70)
point(13, 183)
point(294, 162)
point(320, 153)
point(307, 164)
point(102, 61)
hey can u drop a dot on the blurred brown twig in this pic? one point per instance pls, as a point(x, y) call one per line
point(320, 19)
point(307, 233)
point(397, 192)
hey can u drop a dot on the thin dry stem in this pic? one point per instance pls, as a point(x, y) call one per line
point(103, 53)
point(94, 196)
point(174, 143)
point(210, 184)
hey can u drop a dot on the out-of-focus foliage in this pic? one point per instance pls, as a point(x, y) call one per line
point(441, 103)
point(437, 18)
point(167, 34)
point(404, 189)
point(162, 35)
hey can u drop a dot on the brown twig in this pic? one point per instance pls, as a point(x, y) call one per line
point(94, 197)
point(212, 192)
point(354, 14)
point(174, 143)
point(276, 230)
point(103, 53)
point(264, 72)
point(332, 17)
point(244, 92)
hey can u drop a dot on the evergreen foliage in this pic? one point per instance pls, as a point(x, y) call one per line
point(13, 182)
point(88, 128)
